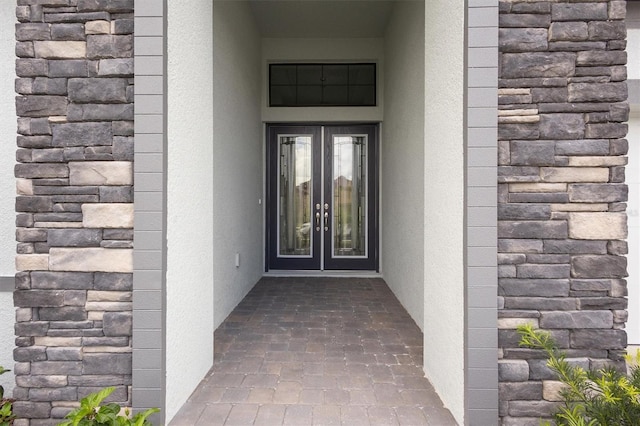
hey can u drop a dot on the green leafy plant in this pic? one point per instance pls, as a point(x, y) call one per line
point(605, 397)
point(91, 413)
point(6, 405)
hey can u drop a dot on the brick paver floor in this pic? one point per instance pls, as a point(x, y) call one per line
point(316, 351)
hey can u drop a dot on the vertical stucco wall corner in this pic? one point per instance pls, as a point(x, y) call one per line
point(444, 202)
point(562, 197)
point(74, 204)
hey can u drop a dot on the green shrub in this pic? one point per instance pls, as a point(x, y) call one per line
point(6, 405)
point(91, 413)
point(605, 397)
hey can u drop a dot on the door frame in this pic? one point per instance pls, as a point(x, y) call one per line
point(369, 265)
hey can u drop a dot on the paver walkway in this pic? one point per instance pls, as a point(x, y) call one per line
point(316, 351)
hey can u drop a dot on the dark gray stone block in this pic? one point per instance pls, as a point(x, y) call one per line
point(599, 339)
point(575, 246)
point(113, 6)
point(31, 67)
point(524, 21)
point(577, 319)
point(64, 313)
point(30, 31)
point(41, 105)
point(598, 266)
point(73, 368)
point(518, 131)
point(35, 328)
point(41, 170)
point(562, 126)
point(541, 371)
point(96, 90)
point(82, 134)
point(590, 92)
point(29, 354)
point(553, 94)
point(538, 64)
point(117, 234)
point(520, 391)
point(117, 323)
point(67, 32)
point(532, 153)
point(549, 258)
point(100, 112)
point(607, 30)
point(582, 147)
point(598, 192)
point(76, 17)
point(34, 142)
point(543, 271)
point(533, 408)
point(523, 212)
point(30, 235)
point(533, 229)
point(107, 363)
point(105, 341)
point(541, 303)
point(32, 410)
point(116, 194)
point(579, 12)
point(611, 130)
point(109, 46)
point(533, 287)
point(49, 86)
point(74, 237)
point(64, 354)
point(613, 303)
point(522, 39)
point(519, 246)
point(568, 31)
point(123, 26)
point(115, 282)
point(68, 68)
point(601, 57)
point(47, 156)
point(26, 203)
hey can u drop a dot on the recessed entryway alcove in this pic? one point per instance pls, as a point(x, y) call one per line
point(217, 112)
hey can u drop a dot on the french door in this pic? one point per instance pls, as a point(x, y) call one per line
point(322, 197)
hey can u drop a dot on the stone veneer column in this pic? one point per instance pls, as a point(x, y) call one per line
point(74, 205)
point(562, 221)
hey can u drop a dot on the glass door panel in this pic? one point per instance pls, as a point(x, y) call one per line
point(295, 195)
point(349, 196)
point(350, 193)
point(293, 191)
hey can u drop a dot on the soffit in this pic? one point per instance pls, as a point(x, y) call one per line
point(321, 19)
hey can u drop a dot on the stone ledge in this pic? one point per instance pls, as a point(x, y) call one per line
point(101, 173)
point(598, 226)
point(112, 215)
point(90, 260)
point(60, 49)
point(32, 262)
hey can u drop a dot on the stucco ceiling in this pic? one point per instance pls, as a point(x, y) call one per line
point(314, 18)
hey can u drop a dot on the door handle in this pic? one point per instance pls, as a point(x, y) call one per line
point(326, 221)
point(317, 221)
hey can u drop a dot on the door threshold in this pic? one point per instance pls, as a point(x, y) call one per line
point(305, 273)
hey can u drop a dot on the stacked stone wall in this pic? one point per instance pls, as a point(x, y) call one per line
point(562, 197)
point(74, 204)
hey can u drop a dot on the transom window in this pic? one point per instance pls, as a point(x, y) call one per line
point(322, 85)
